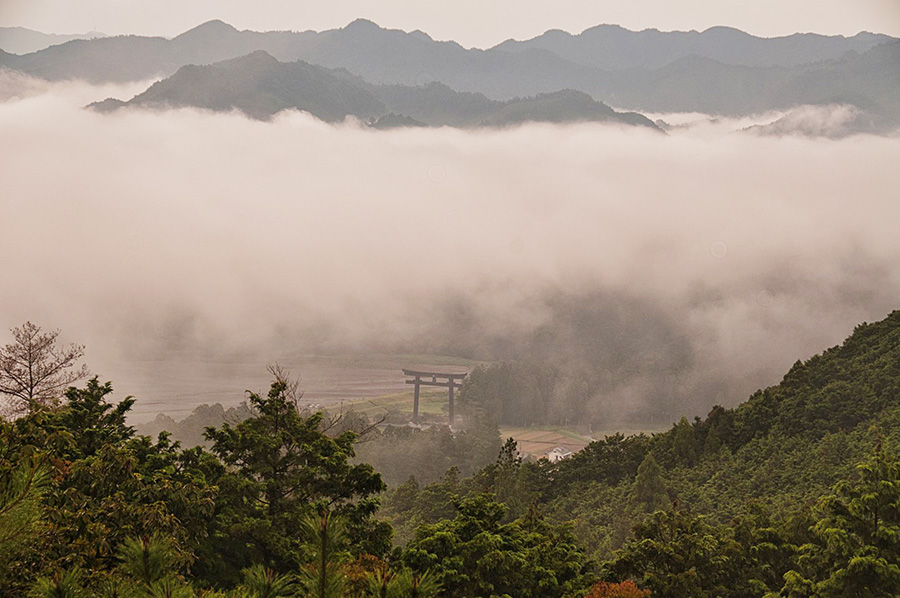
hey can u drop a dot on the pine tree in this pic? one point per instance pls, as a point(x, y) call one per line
point(280, 465)
point(649, 493)
point(262, 582)
point(20, 510)
point(148, 560)
point(62, 584)
point(684, 445)
point(325, 538)
point(857, 547)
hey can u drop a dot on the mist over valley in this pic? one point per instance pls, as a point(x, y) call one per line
point(663, 273)
point(359, 300)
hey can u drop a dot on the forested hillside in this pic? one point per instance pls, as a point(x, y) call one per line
point(765, 463)
point(260, 87)
point(795, 492)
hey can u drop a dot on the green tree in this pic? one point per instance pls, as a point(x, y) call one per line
point(675, 555)
point(475, 554)
point(61, 584)
point(649, 493)
point(279, 465)
point(611, 460)
point(149, 559)
point(408, 584)
point(856, 546)
point(684, 443)
point(507, 478)
point(262, 582)
point(323, 576)
point(105, 484)
point(409, 506)
point(760, 552)
point(21, 512)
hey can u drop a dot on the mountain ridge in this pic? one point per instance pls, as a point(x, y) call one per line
point(652, 48)
point(260, 86)
point(698, 74)
point(21, 40)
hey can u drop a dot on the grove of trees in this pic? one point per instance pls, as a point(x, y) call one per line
point(794, 493)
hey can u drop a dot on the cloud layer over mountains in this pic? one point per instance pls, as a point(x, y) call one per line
point(695, 267)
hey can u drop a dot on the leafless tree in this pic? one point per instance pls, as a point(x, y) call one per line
point(333, 423)
point(35, 371)
point(292, 385)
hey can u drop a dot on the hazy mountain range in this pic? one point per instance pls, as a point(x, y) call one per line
point(19, 40)
point(717, 71)
point(260, 86)
point(611, 47)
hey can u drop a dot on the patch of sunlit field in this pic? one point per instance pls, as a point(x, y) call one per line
point(432, 403)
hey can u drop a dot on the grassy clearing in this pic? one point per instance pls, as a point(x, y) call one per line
point(431, 402)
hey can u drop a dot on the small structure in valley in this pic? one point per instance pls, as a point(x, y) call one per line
point(558, 454)
point(448, 381)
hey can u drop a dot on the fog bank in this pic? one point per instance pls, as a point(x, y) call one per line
point(693, 268)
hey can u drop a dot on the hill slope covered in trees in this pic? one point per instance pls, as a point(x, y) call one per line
point(766, 463)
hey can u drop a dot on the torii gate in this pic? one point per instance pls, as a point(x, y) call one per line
point(448, 381)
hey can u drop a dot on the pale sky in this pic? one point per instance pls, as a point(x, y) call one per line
point(473, 23)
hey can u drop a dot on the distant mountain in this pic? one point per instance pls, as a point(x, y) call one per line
point(379, 55)
point(393, 56)
point(260, 86)
point(395, 121)
point(109, 59)
point(611, 47)
point(438, 104)
point(829, 121)
point(18, 40)
point(725, 72)
point(869, 81)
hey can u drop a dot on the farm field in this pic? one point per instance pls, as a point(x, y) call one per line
point(534, 441)
point(433, 404)
point(537, 441)
point(369, 383)
point(177, 387)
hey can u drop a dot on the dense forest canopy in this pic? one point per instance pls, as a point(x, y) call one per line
point(795, 492)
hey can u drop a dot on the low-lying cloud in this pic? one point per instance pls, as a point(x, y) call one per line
point(693, 268)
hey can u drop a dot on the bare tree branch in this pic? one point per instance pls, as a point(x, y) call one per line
point(35, 371)
point(292, 385)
